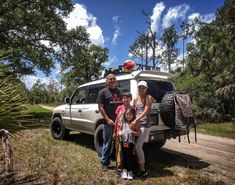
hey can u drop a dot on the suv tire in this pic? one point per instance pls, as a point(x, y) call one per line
point(58, 129)
point(98, 139)
point(98, 142)
point(167, 110)
point(157, 145)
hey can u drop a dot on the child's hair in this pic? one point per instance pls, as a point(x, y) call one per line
point(130, 109)
point(127, 94)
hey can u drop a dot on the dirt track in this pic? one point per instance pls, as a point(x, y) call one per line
point(218, 153)
point(47, 107)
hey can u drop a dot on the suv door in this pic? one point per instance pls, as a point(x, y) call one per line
point(76, 109)
point(91, 111)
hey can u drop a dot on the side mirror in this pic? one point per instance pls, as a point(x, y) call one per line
point(67, 100)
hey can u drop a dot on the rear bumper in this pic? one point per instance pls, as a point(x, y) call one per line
point(165, 134)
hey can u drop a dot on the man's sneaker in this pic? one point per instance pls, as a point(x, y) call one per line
point(141, 174)
point(130, 175)
point(105, 167)
point(124, 174)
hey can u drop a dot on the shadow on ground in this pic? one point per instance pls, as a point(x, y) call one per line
point(16, 179)
point(82, 139)
point(157, 160)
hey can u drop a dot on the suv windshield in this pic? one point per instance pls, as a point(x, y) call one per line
point(157, 89)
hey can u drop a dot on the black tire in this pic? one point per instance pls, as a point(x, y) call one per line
point(157, 145)
point(58, 130)
point(98, 139)
point(167, 110)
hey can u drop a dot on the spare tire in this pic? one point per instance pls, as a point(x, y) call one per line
point(167, 109)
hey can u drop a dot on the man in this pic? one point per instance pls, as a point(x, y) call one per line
point(108, 100)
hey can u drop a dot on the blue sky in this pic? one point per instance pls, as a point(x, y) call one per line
point(114, 23)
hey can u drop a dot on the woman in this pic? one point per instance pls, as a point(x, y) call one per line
point(143, 105)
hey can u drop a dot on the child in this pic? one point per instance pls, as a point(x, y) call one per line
point(128, 137)
point(126, 99)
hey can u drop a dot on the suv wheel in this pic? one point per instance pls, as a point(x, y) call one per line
point(167, 110)
point(98, 139)
point(58, 130)
point(157, 144)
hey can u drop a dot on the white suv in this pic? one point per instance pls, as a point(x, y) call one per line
point(80, 113)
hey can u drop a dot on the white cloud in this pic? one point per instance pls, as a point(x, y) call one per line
point(115, 36)
point(80, 17)
point(204, 18)
point(115, 18)
point(208, 17)
point(29, 80)
point(117, 32)
point(155, 18)
point(173, 14)
point(111, 61)
point(193, 16)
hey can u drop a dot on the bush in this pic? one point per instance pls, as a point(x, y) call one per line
point(209, 115)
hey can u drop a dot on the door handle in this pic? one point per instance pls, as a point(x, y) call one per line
point(96, 111)
point(79, 110)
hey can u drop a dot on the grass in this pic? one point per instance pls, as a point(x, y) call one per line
point(40, 159)
point(36, 116)
point(218, 129)
point(38, 111)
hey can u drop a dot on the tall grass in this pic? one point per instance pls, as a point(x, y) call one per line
point(218, 129)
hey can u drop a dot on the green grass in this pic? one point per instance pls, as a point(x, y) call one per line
point(40, 159)
point(218, 129)
point(36, 116)
point(37, 110)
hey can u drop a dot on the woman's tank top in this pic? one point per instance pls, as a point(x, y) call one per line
point(145, 121)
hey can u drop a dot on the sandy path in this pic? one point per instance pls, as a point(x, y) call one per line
point(47, 107)
point(218, 152)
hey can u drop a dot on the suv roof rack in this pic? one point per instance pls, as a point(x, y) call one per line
point(119, 69)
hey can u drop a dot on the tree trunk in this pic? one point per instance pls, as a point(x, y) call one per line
point(7, 150)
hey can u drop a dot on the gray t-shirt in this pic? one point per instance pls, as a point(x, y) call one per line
point(126, 137)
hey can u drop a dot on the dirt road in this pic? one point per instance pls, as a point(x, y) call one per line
point(215, 153)
point(47, 107)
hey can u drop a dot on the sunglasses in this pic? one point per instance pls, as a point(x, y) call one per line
point(141, 87)
point(112, 79)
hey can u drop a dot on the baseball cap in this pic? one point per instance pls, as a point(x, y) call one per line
point(142, 83)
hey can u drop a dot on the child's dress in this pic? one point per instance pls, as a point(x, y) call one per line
point(128, 147)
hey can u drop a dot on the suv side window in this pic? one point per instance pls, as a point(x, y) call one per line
point(124, 86)
point(93, 93)
point(79, 97)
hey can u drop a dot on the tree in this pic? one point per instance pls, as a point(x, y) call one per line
point(211, 61)
point(185, 26)
point(30, 31)
point(52, 89)
point(140, 49)
point(82, 60)
point(38, 93)
point(12, 99)
point(146, 44)
point(170, 54)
